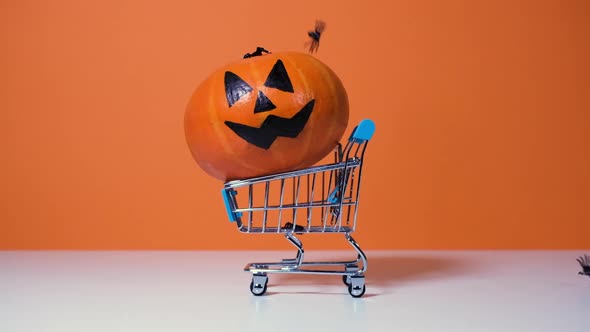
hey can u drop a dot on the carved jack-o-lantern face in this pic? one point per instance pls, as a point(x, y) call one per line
point(273, 126)
point(266, 114)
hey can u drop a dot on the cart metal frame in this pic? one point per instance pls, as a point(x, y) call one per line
point(326, 197)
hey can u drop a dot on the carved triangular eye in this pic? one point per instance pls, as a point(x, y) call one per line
point(278, 78)
point(235, 88)
point(263, 104)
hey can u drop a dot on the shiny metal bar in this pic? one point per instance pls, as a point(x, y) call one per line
point(315, 204)
point(313, 229)
point(323, 195)
point(358, 187)
point(342, 187)
point(295, 201)
point(362, 255)
point(310, 199)
point(299, 258)
point(326, 198)
point(250, 207)
point(265, 212)
point(290, 174)
point(280, 207)
point(351, 192)
point(295, 271)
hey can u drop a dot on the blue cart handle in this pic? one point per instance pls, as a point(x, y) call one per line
point(363, 132)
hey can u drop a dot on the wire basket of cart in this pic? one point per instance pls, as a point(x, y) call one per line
point(320, 199)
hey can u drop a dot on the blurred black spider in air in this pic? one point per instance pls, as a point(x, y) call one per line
point(315, 35)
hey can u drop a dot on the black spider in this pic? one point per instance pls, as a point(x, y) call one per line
point(585, 263)
point(259, 51)
point(315, 35)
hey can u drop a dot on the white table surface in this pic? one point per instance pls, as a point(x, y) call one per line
point(209, 291)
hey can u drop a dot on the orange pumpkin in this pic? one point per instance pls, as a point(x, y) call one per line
point(266, 114)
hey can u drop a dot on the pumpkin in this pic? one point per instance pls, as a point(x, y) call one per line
point(265, 114)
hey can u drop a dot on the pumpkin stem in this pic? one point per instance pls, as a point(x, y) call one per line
point(258, 52)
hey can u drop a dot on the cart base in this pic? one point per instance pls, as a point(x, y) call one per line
point(352, 276)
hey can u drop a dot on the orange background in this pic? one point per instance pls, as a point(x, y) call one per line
point(482, 112)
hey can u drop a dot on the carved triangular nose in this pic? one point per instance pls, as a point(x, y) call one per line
point(263, 104)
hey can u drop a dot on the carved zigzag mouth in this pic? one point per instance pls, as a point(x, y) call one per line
point(272, 127)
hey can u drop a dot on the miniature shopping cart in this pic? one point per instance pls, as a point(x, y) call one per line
point(319, 199)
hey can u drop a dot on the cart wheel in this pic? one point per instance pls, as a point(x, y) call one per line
point(258, 285)
point(257, 290)
point(357, 291)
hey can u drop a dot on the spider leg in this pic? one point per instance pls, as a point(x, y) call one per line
point(580, 261)
point(314, 46)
